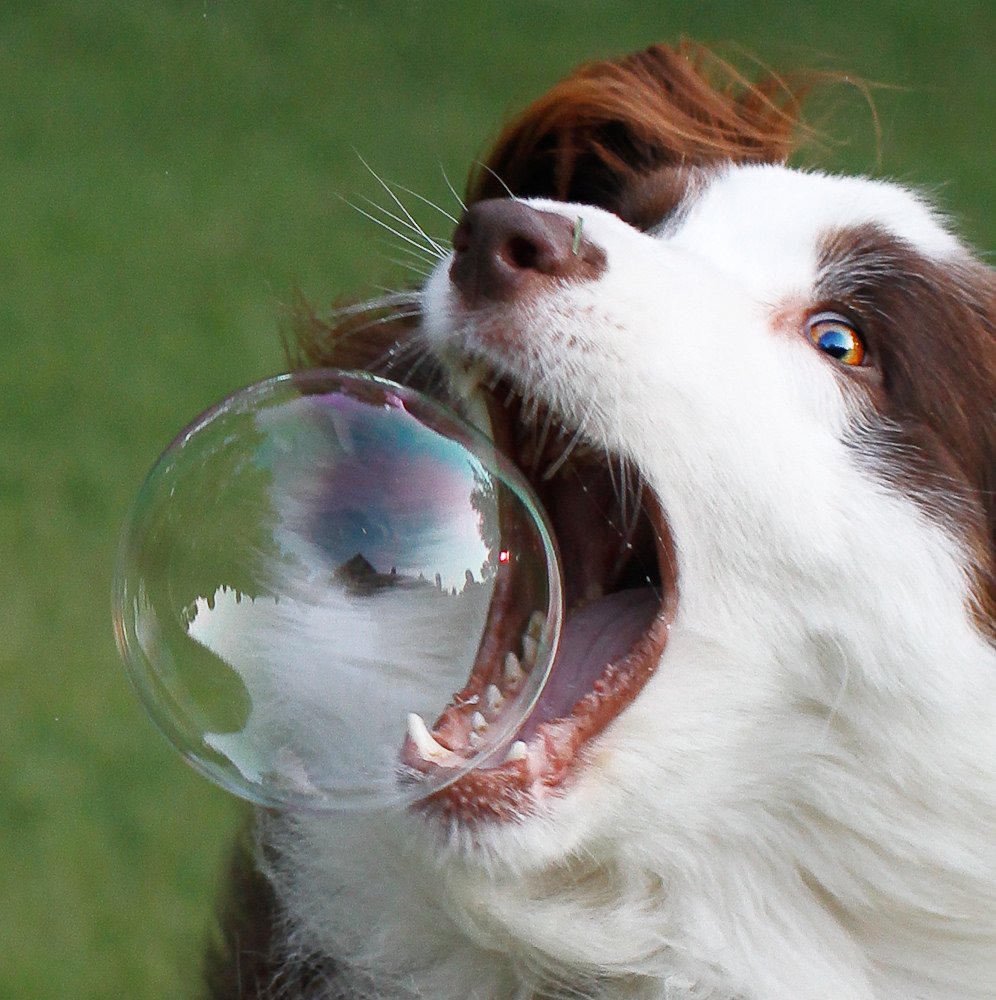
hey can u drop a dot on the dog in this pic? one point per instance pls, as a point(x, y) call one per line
point(758, 405)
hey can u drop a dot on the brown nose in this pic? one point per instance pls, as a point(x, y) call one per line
point(503, 249)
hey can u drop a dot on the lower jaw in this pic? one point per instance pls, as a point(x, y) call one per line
point(548, 753)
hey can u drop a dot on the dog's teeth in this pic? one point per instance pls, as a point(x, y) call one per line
point(530, 647)
point(478, 722)
point(537, 620)
point(427, 747)
point(517, 751)
point(512, 669)
point(493, 698)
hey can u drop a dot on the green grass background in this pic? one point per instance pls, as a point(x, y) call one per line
point(169, 173)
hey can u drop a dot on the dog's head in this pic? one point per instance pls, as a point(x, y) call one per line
point(758, 404)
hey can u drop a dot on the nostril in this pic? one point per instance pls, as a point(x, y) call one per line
point(523, 253)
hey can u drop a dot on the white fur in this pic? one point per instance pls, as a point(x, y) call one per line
point(801, 804)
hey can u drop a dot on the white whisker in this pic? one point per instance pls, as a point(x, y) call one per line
point(397, 353)
point(624, 495)
point(420, 257)
point(417, 230)
point(419, 362)
point(397, 299)
point(559, 462)
point(397, 201)
point(431, 204)
point(612, 479)
point(409, 266)
point(510, 192)
point(541, 441)
point(453, 190)
point(382, 320)
point(530, 409)
point(637, 504)
point(407, 239)
point(413, 303)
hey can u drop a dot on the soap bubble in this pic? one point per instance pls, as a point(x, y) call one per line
point(316, 561)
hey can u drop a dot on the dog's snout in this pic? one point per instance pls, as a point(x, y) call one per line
point(505, 248)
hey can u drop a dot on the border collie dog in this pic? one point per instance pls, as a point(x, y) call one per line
point(758, 405)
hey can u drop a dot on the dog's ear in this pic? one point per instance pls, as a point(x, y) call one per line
point(610, 122)
point(931, 325)
point(982, 410)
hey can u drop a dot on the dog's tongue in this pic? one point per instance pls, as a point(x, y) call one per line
point(600, 633)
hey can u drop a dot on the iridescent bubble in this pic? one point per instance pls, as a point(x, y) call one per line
point(317, 566)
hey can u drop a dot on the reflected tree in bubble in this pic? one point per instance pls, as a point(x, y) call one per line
point(188, 562)
point(484, 500)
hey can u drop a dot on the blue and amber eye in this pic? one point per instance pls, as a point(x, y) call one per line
point(835, 336)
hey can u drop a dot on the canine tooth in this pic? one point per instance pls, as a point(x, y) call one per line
point(512, 669)
point(517, 751)
point(424, 742)
point(529, 649)
point(478, 721)
point(493, 698)
point(536, 622)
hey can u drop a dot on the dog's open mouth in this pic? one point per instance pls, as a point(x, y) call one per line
point(620, 595)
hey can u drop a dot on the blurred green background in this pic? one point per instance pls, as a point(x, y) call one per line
point(169, 174)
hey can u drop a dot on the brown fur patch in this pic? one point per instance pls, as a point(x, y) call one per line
point(667, 193)
point(930, 328)
point(610, 122)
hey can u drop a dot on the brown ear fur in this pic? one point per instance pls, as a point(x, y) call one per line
point(610, 121)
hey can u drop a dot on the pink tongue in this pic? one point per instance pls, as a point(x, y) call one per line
point(600, 633)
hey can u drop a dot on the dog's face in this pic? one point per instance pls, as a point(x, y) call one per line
point(732, 366)
point(758, 404)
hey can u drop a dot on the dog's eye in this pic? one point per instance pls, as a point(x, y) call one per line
point(835, 336)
